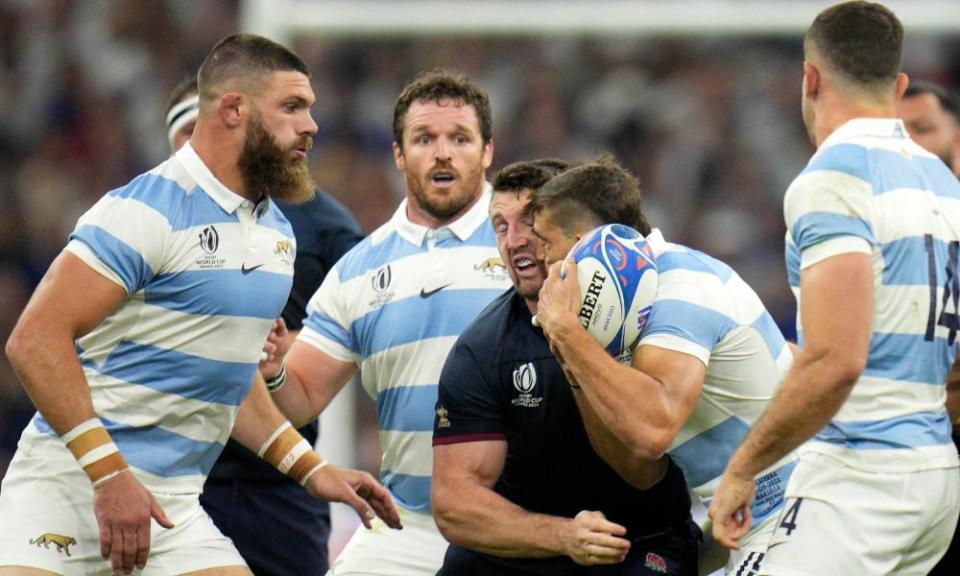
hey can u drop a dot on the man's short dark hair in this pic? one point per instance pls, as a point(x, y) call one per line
point(949, 102)
point(601, 192)
point(247, 57)
point(528, 175)
point(186, 87)
point(862, 41)
point(437, 85)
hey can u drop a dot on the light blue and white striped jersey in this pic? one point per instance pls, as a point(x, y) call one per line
point(704, 309)
point(871, 189)
point(206, 273)
point(395, 305)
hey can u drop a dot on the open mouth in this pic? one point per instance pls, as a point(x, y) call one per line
point(523, 264)
point(443, 179)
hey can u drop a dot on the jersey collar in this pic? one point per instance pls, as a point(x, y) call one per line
point(859, 127)
point(463, 227)
point(227, 199)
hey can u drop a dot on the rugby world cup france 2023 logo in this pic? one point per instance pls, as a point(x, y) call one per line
point(525, 380)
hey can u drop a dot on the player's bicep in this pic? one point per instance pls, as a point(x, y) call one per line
point(478, 462)
point(72, 296)
point(837, 306)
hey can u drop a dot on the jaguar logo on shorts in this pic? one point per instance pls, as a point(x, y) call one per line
point(62, 543)
point(655, 562)
point(525, 380)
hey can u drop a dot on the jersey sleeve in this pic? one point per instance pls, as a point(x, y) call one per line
point(328, 323)
point(123, 239)
point(828, 208)
point(687, 316)
point(467, 406)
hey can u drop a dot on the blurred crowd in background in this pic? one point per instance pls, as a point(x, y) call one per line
point(710, 126)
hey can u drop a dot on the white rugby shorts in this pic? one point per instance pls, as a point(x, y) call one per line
point(838, 520)
point(47, 520)
point(417, 550)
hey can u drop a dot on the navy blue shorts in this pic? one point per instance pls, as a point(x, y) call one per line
point(277, 527)
point(673, 553)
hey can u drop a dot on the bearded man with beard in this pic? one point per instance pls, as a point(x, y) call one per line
point(395, 304)
point(242, 493)
point(140, 346)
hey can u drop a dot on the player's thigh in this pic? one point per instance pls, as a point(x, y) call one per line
point(194, 545)
point(941, 488)
point(24, 571)
point(840, 521)
point(417, 550)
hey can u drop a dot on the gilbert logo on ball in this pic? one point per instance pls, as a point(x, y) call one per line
point(617, 275)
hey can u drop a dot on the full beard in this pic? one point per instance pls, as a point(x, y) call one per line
point(267, 169)
point(446, 206)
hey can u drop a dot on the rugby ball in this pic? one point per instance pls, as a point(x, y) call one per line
point(617, 275)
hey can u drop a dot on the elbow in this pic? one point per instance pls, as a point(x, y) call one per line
point(647, 444)
point(443, 504)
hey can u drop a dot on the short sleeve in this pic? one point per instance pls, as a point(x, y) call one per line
point(123, 239)
point(327, 326)
point(467, 406)
point(828, 209)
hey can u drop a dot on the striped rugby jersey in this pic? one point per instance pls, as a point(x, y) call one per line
point(206, 273)
point(395, 305)
point(704, 309)
point(871, 189)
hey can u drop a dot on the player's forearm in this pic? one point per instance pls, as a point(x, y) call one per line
point(294, 401)
point(257, 418)
point(812, 393)
point(629, 403)
point(475, 517)
point(44, 357)
point(639, 472)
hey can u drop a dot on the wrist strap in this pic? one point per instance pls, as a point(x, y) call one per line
point(95, 451)
point(278, 380)
point(291, 454)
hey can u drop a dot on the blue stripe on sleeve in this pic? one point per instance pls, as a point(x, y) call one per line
point(704, 457)
point(450, 311)
point(174, 372)
point(693, 261)
point(792, 258)
point(365, 256)
point(328, 327)
point(909, 358)
point(181, 209)
point(910, 431)
point(413, 492)
point(407, 408)
point(816, 227)
point(125, 262)
point(768, 329)
point(162, 452)
point(257, 294)
point(689, 321)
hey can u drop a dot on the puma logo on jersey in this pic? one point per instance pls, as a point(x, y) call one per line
point(491, 265)
point(62, 543)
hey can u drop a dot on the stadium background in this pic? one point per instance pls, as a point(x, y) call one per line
point(699, 98)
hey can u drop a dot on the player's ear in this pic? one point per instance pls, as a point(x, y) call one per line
point(902, 82)
point(398, 158)
point(228, 109)
point(811, 80)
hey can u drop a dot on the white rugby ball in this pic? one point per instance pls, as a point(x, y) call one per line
point(617, 275)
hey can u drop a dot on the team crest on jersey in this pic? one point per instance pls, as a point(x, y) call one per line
point(381, 281)
point(493, 268)
point(442, 418)
point(284, 251)
point(209, 242)
point(63, 543)
point(525, 381)
point(655, 562)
